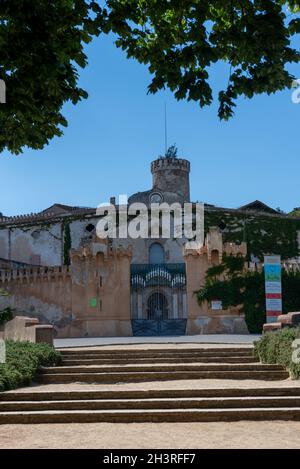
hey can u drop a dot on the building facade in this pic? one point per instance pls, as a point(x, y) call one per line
point(55, 267)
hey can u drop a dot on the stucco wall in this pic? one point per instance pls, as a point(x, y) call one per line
point(25, 244)
point(91, 298)
point(42, 243)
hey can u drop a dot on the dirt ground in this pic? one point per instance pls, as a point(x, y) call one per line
point(222, 435)
point(180, 384)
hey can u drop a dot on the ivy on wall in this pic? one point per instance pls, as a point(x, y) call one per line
point(6, 314)
point(237, 287)
point(264, 234)
point(67, 243)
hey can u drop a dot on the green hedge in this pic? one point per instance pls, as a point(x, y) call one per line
point(6, 314)
point(23, 360)
point(276, 347)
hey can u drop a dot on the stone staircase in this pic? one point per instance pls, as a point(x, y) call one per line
point(119, 366)
point(152, 404)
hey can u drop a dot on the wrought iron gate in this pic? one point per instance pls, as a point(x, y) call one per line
point(158, 299)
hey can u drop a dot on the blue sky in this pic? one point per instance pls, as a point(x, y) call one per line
point(114, 135)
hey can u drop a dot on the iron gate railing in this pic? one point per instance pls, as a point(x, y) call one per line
point(158, 299)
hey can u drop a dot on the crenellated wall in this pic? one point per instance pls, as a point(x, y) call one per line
point(171, 175)
point(202, 319)
point(89, 298)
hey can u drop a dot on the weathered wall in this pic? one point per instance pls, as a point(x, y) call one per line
point(42, 243)
point(201, 318)
point(33, 244)
point(91, 298)
point(171, 175)
point(140, 249)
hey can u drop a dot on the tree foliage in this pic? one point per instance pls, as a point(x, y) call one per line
point(236, 286)
point(7, 313)
point(42, 46)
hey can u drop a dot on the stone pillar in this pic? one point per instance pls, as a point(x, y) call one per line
point(196, 266)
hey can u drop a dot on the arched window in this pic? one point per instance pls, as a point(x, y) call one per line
point(156, 254)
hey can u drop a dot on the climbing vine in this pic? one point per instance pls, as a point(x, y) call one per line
point(263, 233)
point(67, 243)
point(237, 287)
point(6, 314)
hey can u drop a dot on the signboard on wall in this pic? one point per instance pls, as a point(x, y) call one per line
point(216, 305)
point(93, 303)
point(273, 287)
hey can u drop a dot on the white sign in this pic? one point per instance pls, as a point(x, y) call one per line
point(216, 305)
point(2, 351)
point(273, 287)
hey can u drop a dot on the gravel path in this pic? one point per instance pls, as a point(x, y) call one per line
point(150, 436)
point(230, 339)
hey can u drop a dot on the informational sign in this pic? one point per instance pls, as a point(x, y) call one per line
point(216, 305)
point(93, 303)
point(2, 351)
point(273, 287)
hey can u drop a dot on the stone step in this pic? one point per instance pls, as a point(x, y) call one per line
point(150, 415)
point(97, 394)
point(168, 403)
point(124, 377)
point(163, 367)
point(142, 353)
point(120, 361)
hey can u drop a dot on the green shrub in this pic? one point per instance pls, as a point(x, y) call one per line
point(23, 360)
point(229, 283)
point(6, 314)
point(276, 347)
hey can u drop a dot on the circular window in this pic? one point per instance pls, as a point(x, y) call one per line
point(156, 198)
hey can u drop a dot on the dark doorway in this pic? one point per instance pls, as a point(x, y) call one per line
point(157, 306)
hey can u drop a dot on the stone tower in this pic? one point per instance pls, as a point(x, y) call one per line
point(171, 175)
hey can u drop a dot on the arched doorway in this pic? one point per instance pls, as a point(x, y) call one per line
point(158, 299)
point(157, 306)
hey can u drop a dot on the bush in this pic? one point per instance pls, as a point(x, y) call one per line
point(276, 347)
point(229, 283)
point(23, 360)
point(6, 314)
